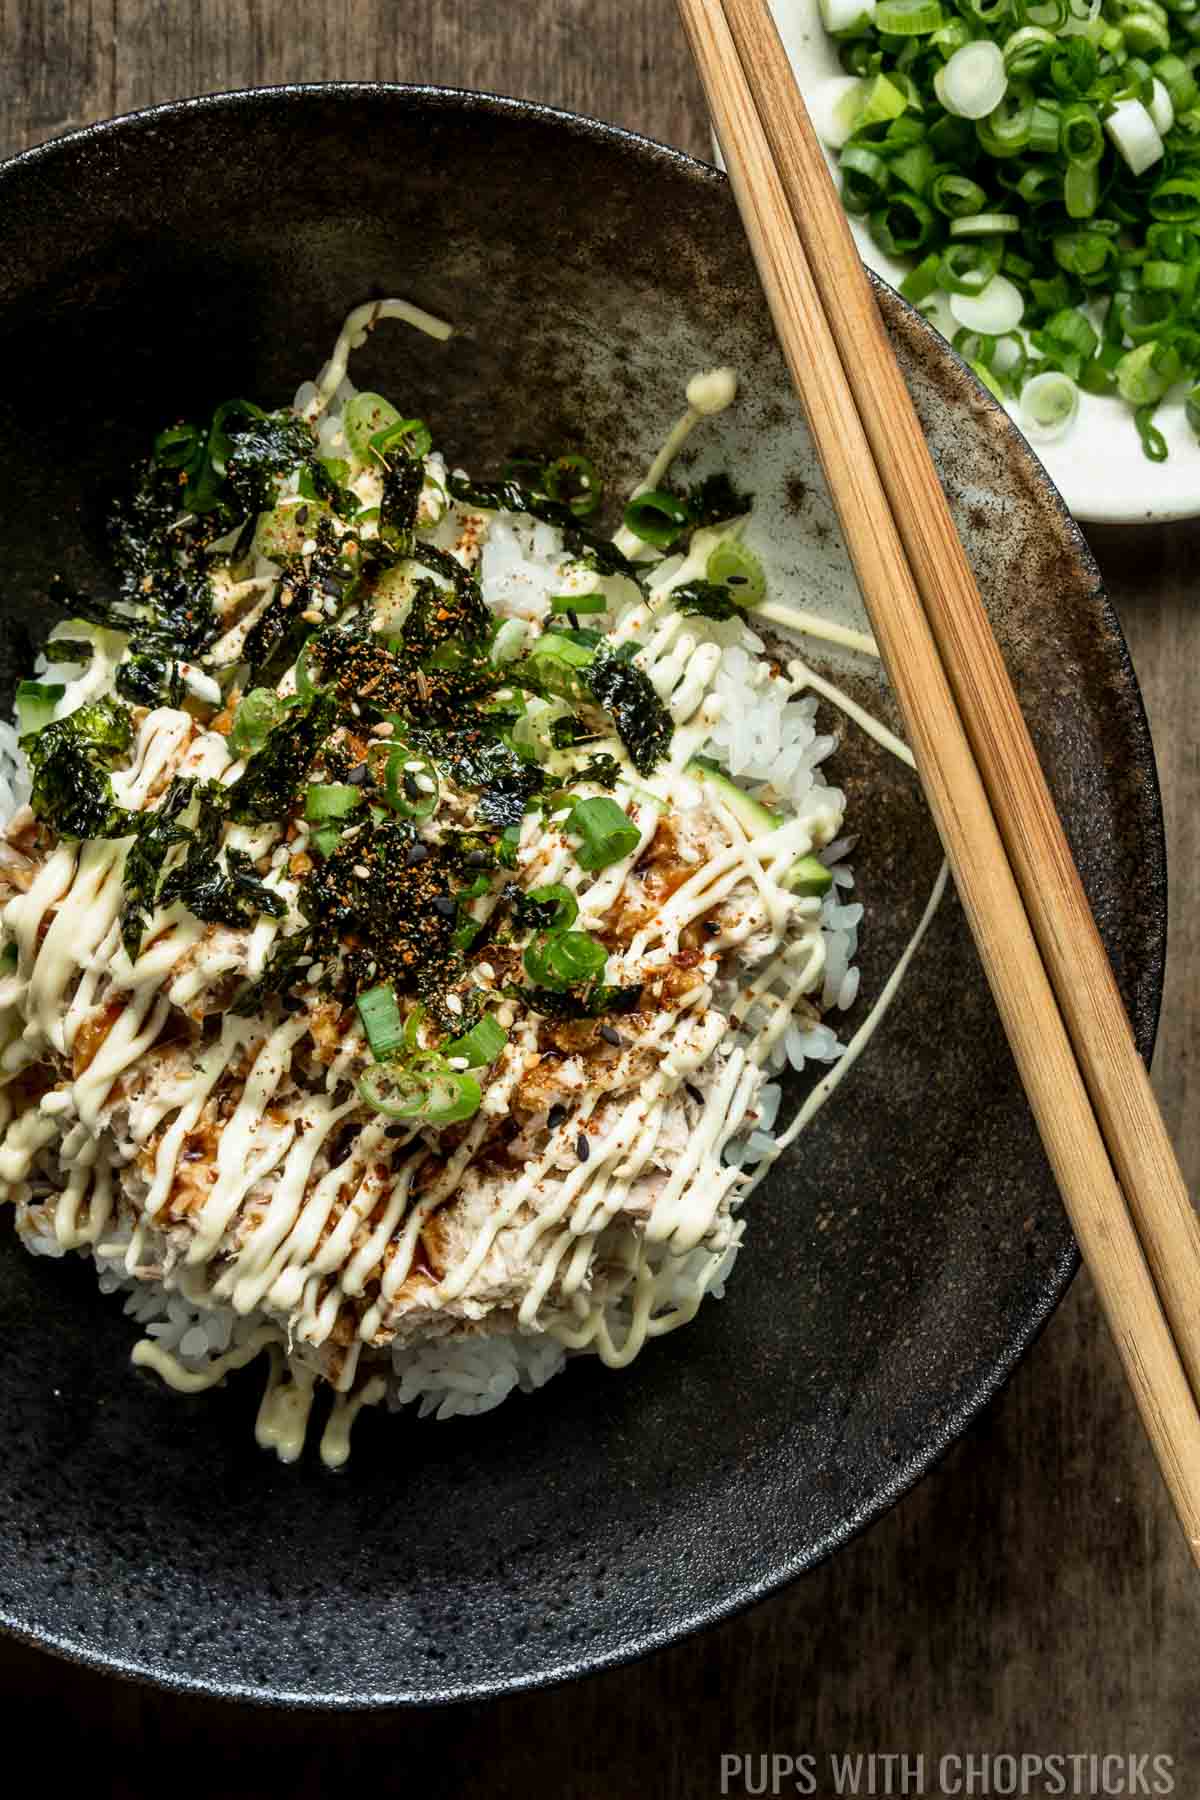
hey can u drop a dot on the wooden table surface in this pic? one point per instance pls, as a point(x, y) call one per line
point(1032, 1596)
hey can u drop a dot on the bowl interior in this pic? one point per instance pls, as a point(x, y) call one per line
point(907, 1251)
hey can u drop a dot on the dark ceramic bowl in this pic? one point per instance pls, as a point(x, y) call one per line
point(906, 1255)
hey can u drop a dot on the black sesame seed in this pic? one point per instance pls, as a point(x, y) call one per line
point(411, 790)
point(417, 853)
point(477, 859)
point(555, 1117)
point(612, 1036)
point(357, 775)
point(302, 515)
point(333, 585)
point(693, 1093)
point(735, 580)
point(582, 1148)
point(443, 904)
point(396, 1130)
point(574, 618)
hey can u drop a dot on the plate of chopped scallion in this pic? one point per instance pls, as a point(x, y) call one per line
point(1027, 173)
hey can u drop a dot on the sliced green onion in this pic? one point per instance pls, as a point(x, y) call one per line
point(956, 195)
point(481, 1045)
point(657, 518)
point(1140, 378)
point(325, 800)
point(973, 82)
point(1027, 51)
point(984, 225)
point(325, 839)
point(882, 99)
point(364, 417)
point(423, 1089)
point(1005, 130)
point(1154, 444)
point(410, 781)
point(572, 480)
point(608, 834)
point(564, 959)
point(578, 603)
point(381, 1020)
point(560, 897)
point(1176, 200)
point(908, 18)
point(968, 265)
point(997, 309)
point(1081, 189)
point(35, 703)
point(922, 281)
point(283, 532)
point(1049, 403)
point(1133, 134)
point(411, 437)
point(735, 566)
point(256, 716)
point(556, 661)
point(835, 106)
point(865, 181)
point(904, 226)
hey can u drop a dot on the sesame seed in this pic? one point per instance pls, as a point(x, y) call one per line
point(555, 1117)
point(487, 971)
point(311, 615)
point(315, 974)
point(458, 1062)
point(308, 546)
point(454, 1004)
point(693, 1093)
point(582, 1148)
point(443, 904)
point(384, 728)
point(426, 785)
point(414, 768)
point(361, 870)
point(612, 1036)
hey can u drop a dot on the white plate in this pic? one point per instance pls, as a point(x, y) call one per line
point(1098, 467)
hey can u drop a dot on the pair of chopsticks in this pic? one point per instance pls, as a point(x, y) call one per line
point(1057, 998)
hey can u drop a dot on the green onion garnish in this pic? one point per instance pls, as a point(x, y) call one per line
point(481, 1045)
point(423, 1089)
point(411, 437)
point(381, 1020)
point(578, 603)
point(325, 839)
point(255, 718)
point(572, 480)
point(657, 518)
point(35, 704)
point(737, 568)
point(325, 800)
point(410, 780)
point(555, 661)
point(608, 833)
point(562, 959)
point(364, 417)
point(561, 899)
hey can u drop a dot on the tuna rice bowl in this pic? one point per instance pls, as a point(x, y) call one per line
point(412, 897)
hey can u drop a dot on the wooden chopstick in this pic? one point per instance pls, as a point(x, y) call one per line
point(953, 784)
point(1033, 836)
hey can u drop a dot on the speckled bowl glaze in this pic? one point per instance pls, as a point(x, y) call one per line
point(904, 1257)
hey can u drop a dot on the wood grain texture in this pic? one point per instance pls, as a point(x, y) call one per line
point(1033, 1594)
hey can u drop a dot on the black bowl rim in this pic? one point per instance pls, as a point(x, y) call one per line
point(951, 1425)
